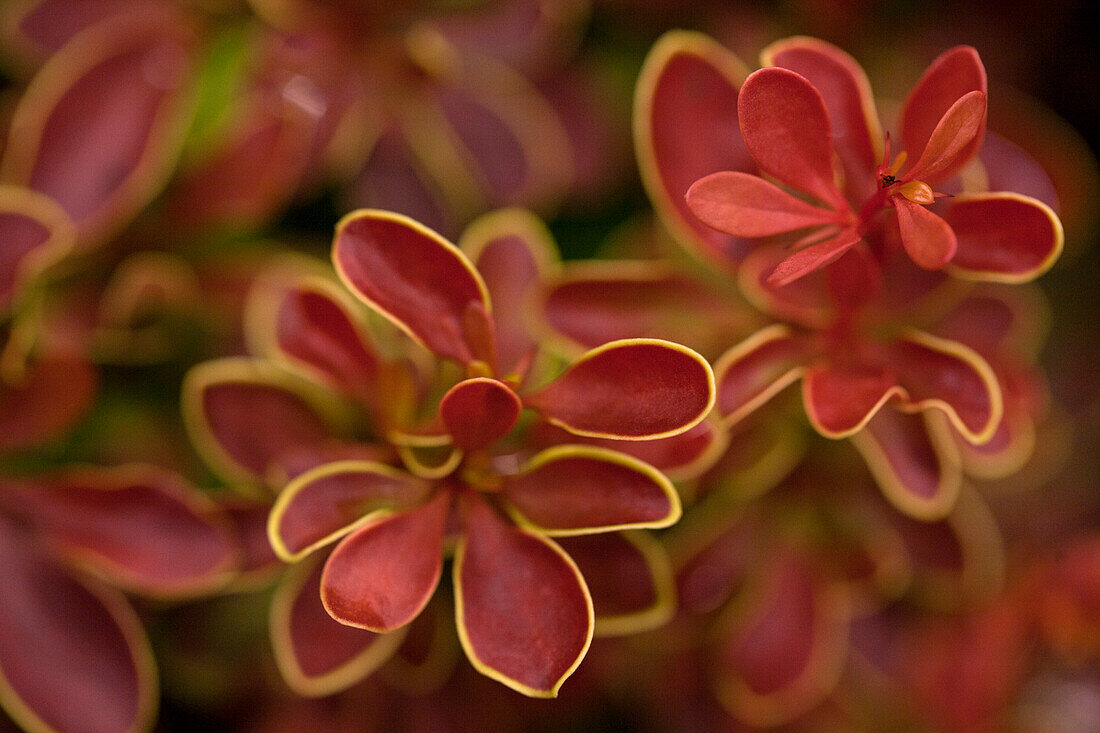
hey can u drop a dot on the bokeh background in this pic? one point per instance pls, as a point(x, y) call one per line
point(304, 111)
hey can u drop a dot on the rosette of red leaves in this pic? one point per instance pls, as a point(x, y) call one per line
point(73, 653)
point(853, 347)
point(499, 509)
point(319, 367)
point(808, 121)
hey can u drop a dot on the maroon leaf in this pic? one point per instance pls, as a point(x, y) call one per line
point(478, 411)
point(99, 129)
point(687, 76)
point(142, 528)
point(383, 574)
point(417, 279)
point(635, 389)
point(73, 655)
point(316, 654)
point(577, 489)
point(523, 611)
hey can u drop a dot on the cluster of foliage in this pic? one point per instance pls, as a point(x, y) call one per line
point(266, 468)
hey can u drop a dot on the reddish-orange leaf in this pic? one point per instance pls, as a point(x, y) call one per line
point(953, 142)
point(840, 399)
point(953, 74)
point(786, 128)
point(927, 238)
point(748, 206)
point(814, 257)
point(857, 134)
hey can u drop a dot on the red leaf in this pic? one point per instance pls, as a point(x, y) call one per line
point(258, 563)
point(323, 504)
point(383, 574)
point(522, 608)
point(253, 171)
point(680, 457)
point(1025, 398)
point(51, 396)
point(754, 371)
point(575, 489)
point(73, 655)
point(786, 128)
point(1003, 237)
point(913, 462)
point(599, 301)
point(414, 277)
point(629, 576)
point(857, 133)
point(479, 411)
point(953, 141)
point(927, 238)
point(46, 25)
point(144, 529)
point(687, 76)
point(716, 569)
point(784, 654)
point(393, 180)
point(244, 416)
point(513, 252)
point(636, 389)
point(495, 148)
point(748, 206)
point(806, 301)
point(36, 233)
point(316, 654)
point(953, 74)
point(503, 128)
point(315, 329)
point(814, 257)
point(526, 34)
point(1008, 167)
point(99, 129)
point(839, 400)
point(946, 374)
